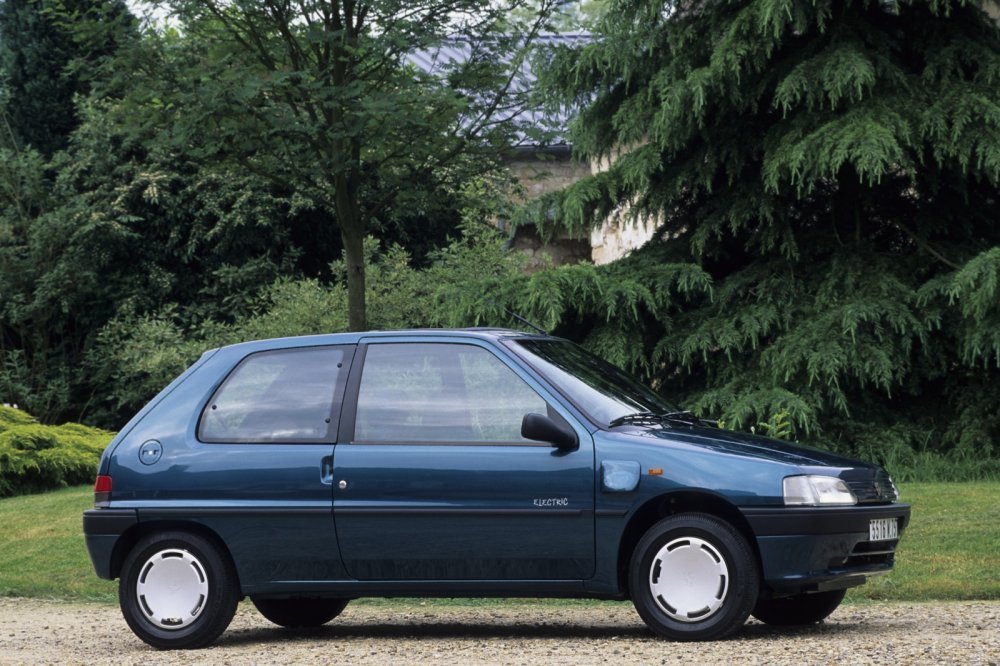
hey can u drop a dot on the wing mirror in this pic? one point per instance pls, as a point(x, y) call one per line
point(544, 429)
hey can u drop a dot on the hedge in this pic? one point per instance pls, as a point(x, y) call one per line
point(36, 457)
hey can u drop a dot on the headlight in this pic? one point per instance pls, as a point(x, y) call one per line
point(817, 491)
point(895, 490)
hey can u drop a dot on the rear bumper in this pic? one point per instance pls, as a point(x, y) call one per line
point(101, 530)
point(822, 548)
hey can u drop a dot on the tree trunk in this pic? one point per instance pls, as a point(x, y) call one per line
point(352, 233)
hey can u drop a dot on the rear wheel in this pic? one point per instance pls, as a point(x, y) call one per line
point(798, 609)
point(177, 591)
point(693, 577)
point(300, 612)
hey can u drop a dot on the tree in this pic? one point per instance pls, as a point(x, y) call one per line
point(834, 168)
point(48, 49)
point(117, 225)
point(149, 208)
point(318, 97)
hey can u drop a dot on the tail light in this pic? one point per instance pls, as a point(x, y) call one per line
point(102, 491)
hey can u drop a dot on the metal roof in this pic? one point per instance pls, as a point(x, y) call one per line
point(528, 111)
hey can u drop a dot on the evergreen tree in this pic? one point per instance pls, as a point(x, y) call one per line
point(118, 225)
point(833, 167)
point(47, 51)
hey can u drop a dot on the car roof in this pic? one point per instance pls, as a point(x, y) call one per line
point(482, 333)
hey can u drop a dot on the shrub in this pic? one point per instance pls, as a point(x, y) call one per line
point(36, 457)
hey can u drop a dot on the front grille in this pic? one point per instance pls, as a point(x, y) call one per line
point(869, 487)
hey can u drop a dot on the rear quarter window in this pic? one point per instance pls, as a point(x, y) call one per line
point(286, 395)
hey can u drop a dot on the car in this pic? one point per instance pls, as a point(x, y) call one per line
point(306, 472)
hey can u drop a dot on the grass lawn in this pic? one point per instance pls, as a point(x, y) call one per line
point(950, 551)
point(42, 553)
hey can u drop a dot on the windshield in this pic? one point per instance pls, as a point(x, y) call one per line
point(600, 389)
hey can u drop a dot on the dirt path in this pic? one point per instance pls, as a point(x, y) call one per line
point(407, 632)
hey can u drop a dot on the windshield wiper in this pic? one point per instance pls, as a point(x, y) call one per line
point(637, 417)
point(685, 416)
point(655, 417)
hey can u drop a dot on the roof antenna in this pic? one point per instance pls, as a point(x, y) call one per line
point(525, 321)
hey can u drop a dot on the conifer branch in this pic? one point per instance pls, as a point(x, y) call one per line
point(924, 245)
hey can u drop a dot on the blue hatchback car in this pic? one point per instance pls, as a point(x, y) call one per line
point(305, 472)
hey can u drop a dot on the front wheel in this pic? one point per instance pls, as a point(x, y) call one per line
point(300, 612)
point(693, 577)
point(177, 591)
point(798, 609)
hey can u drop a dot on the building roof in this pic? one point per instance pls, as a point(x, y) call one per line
point(527, 111)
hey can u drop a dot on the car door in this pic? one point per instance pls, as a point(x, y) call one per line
point(437, 483)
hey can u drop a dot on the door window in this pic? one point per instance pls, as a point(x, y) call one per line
point(441, 393)
point(288, 395)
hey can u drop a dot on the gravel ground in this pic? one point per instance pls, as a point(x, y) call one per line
point(408, 632)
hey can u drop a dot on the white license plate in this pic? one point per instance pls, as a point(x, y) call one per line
point(883, 529)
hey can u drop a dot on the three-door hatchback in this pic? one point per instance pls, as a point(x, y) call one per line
point(305, 472)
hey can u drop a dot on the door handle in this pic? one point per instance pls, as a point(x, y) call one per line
point(326, 470)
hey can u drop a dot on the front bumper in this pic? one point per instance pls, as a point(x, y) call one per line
point(811, 549)
point(101, 530)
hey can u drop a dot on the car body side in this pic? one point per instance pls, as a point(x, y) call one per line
point(274, 507)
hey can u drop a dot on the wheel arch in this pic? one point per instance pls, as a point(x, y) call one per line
point(140, 530)
point(669, 504)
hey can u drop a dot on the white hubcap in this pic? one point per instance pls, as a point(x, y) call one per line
point(688, 579)
point(172, 588)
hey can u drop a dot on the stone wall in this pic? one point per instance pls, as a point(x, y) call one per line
point(541, 173)
point(617, 236)
point(620, 233)
point(547, 172)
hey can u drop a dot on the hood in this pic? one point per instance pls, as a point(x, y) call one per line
point(742, 444)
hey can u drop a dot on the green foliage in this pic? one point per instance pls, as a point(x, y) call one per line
point(204, 167)
point(776, 427)
point(48, 50)
point(125, 227)
point(320, 99)
point(35, 457)
point(135, 357)
point(832, 169)
point(974, 292)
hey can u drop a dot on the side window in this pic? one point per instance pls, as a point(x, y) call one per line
point(441, 393)
point(287, 395)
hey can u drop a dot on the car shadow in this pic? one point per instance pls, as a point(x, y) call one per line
point(433, 630)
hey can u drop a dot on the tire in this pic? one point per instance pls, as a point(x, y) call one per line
point(693, 577)
point(300, 612)
point(177, 591)
point(799, 609)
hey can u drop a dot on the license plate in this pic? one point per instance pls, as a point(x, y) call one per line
point(883, 529)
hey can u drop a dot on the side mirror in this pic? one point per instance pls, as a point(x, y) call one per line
point(544, 429)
